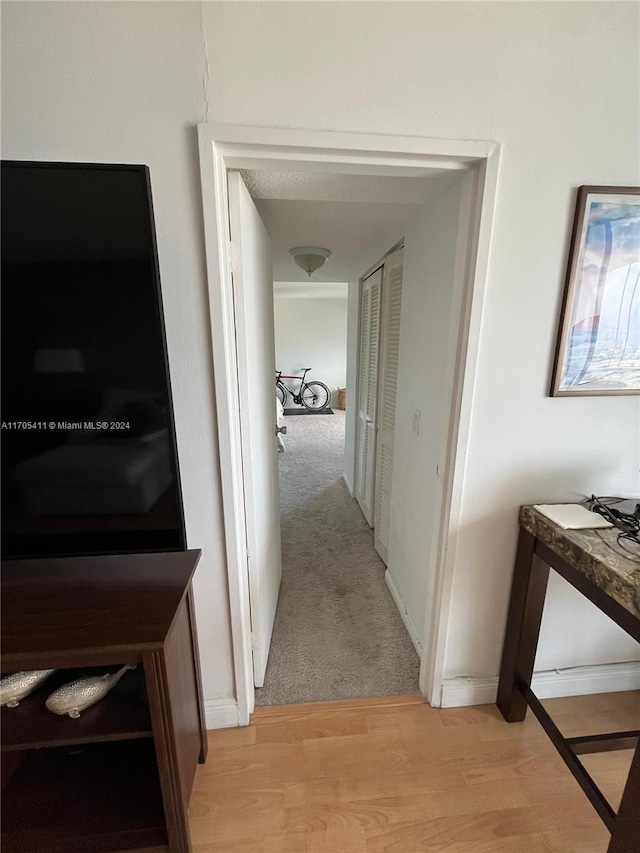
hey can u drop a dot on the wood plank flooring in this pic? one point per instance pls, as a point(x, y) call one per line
point(394, 775)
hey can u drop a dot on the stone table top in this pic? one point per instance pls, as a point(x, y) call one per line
point(594, 553)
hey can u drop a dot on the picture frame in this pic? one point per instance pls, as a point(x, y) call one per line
point(598, 344)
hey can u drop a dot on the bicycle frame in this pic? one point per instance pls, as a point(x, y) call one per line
point(297, 398)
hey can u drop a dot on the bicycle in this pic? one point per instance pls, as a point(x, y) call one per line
point(314, 395)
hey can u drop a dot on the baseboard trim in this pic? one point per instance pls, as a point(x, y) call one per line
point(577, 681)
point(348, 485)
point(408, 624)
point(221, 713)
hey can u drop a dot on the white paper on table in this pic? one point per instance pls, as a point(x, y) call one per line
point(572, 516)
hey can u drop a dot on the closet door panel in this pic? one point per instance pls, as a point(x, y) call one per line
point(366, 451)
point(387, 394)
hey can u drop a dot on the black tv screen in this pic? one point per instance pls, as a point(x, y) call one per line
point(89, 462)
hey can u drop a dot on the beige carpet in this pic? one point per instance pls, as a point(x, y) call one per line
point(337, 634)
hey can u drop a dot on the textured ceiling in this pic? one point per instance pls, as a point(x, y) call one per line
point(345, 213)
point(327, 186)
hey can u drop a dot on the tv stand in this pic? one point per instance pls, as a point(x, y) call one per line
point(119, 777)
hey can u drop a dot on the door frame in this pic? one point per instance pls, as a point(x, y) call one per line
point(223, 147)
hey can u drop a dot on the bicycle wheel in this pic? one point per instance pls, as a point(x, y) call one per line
point(315, 396)
point(281, 393)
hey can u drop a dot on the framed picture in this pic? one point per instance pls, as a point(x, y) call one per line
point(598, 349)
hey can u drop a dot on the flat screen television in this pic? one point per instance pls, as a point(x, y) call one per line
point(89, 463)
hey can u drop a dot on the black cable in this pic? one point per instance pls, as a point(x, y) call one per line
point(628, 524)
point(630, 538)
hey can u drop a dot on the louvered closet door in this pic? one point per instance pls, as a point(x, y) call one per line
point(367, 393)
point(388, 388)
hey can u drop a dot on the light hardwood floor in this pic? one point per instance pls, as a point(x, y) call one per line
point(394, 775)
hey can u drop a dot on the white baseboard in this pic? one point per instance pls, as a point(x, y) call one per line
point(408, 624)
point(459, 692)
point(221, 713)
point(348, 485)
point(577, 681)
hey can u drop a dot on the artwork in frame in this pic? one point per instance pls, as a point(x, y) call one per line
point(598, 348)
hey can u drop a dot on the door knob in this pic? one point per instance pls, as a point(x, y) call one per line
point(281, 429)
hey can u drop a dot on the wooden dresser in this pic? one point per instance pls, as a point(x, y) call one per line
point(119, 777)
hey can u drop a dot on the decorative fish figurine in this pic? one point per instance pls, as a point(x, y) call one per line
point(19, 685)
point(78, 695)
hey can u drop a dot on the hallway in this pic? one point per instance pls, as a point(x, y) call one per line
point(337, 632)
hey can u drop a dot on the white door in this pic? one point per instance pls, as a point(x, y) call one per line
point(367, 393)
point(388, 388)
point(253, 298)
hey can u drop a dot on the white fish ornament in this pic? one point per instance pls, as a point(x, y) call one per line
point(78, 695)
point(18, 685)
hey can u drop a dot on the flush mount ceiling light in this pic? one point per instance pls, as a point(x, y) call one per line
point(309, 258)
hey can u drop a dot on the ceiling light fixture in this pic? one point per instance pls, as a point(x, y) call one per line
point(309, 258)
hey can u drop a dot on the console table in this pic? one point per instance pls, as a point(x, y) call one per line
point(593, 564)
point(119, 777)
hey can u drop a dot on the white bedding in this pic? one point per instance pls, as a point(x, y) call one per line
point(279, 420)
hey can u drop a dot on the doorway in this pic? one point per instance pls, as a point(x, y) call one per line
point(223, 148)
point(337, 633)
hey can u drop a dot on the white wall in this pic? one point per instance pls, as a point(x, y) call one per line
point(122, 83)
point(556, 83)
point(424, 383)
point(312, 333)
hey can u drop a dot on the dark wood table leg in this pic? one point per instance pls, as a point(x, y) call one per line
point(528, 590)
point(625, 837)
